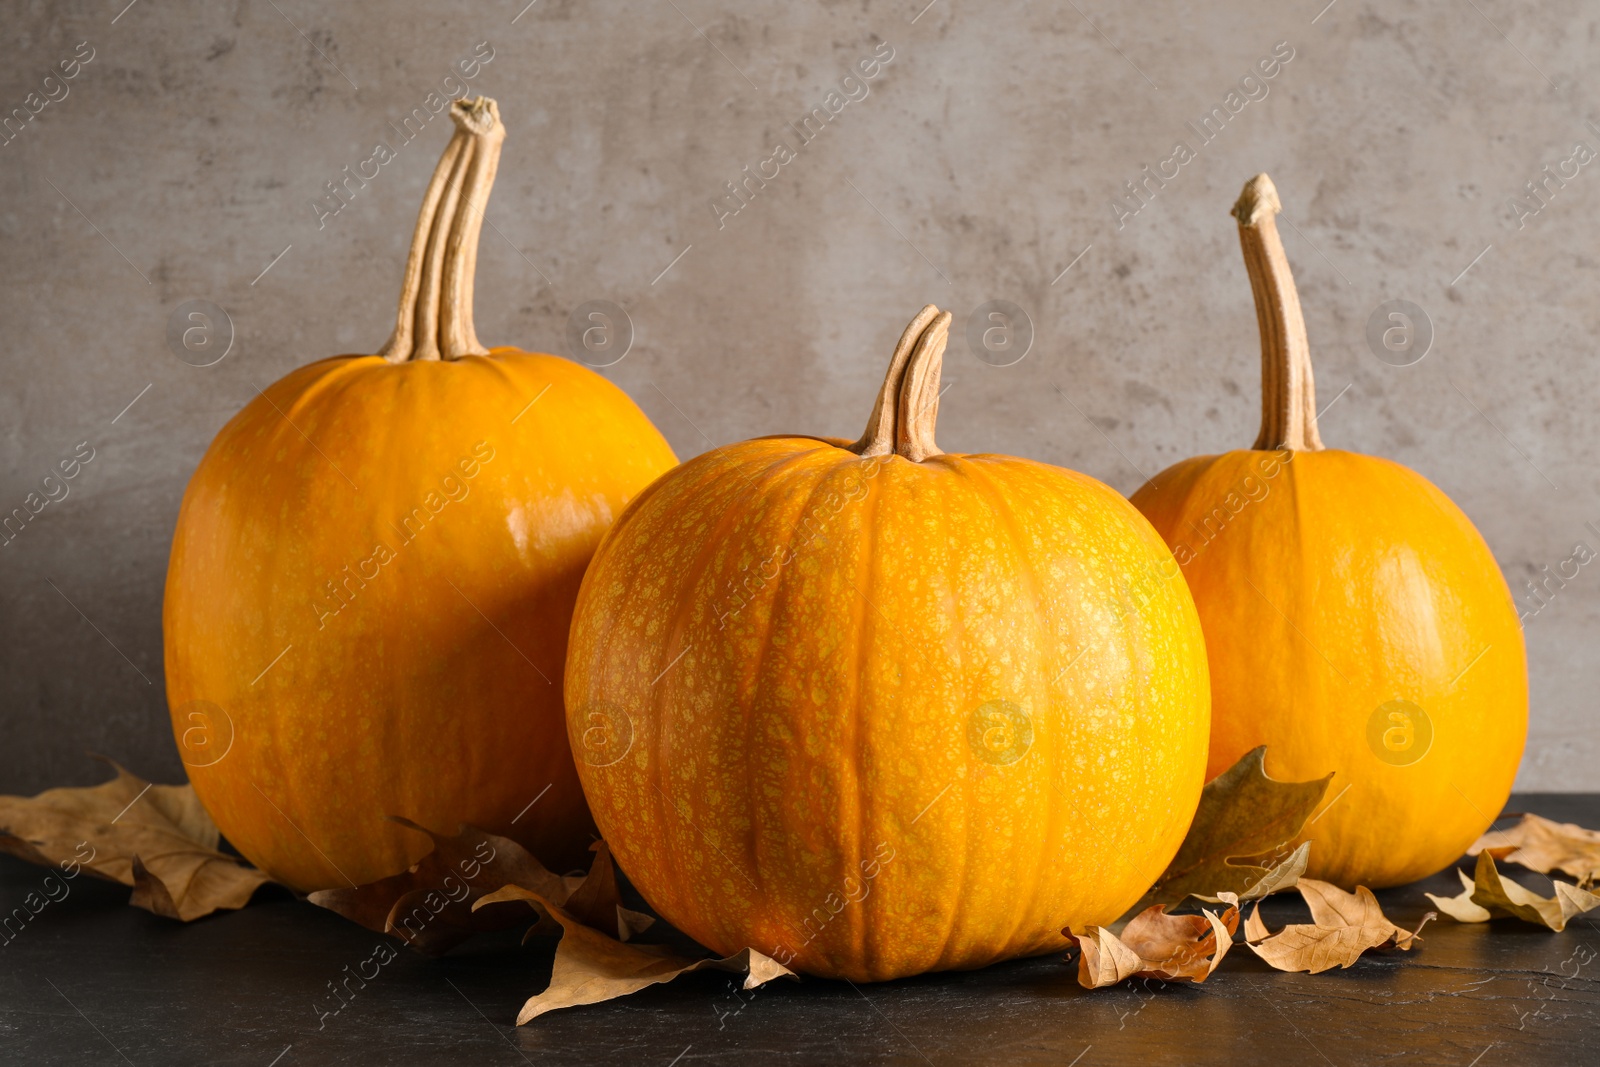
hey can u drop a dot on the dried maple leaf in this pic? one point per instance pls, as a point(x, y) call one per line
point(1173, 948)
point(1285, 874)
point(1542, 845)
point(593, 899)
point(1490, 893)
point(597, 902)
point(1102, 958)
point(1254, 929)
point(1343, 926)
point(591, 966)
point(430, 906)
point(156, 838)
point(1462, 908)
point(1243, 816)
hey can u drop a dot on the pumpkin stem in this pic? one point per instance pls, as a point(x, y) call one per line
point(1288, 391)
point(435, 316)
point(907, 407)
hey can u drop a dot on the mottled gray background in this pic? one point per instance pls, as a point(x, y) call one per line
point(984, 161)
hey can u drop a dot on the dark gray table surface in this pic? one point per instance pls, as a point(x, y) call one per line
point(93, 981)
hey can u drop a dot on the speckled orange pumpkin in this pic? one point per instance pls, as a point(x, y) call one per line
point(877, 710)
point(1356, 621)
point(373, 574)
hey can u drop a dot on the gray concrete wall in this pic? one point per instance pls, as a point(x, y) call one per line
point(985, 158)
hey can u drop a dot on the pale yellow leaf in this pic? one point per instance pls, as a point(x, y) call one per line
point(1461, 908)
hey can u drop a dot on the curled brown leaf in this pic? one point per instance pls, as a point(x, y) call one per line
point(591, 967)
point(1489, 893)
point(1344, 925)
point(1154, 944)
point(430, 905)
point(593, 899)
point(594, 961)
point(1244, 817)
point(156, 838)
point(1543, 845)
point(1254, 929)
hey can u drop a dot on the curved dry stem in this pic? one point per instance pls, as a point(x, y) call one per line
point(907, 408)
point(434, 320)
point(879, 439)
point(1288, 390)
point(919, 393)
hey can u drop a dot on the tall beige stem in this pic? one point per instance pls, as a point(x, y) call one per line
point(907, 408)
point(1288, 391)
point(434, 320)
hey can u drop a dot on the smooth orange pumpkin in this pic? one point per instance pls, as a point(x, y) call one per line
point(374, 570)
point(876, 710)
point(1356, 621)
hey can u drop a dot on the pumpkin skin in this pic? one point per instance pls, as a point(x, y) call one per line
point(1365, 562)
point(875, 716)
point(368, 599)
point(1329, 585)
point(396, 697)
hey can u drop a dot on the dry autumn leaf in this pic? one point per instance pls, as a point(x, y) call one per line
point(1462, 908)
point(1173, 948)
point(1254, 929)
point(1343, 926)
point(1490, 893)
point(430, 906)
point(591, 966)
point(593, 899)
point(1102, 958)
point(446, 896)
point(156, 838)
point(1285, 874)
point(597, 901)
point(1543, 845)
point(1243, 816)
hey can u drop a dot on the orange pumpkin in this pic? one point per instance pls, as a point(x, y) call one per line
point(373, 573)
point(1355, 620)
point(876, 710)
